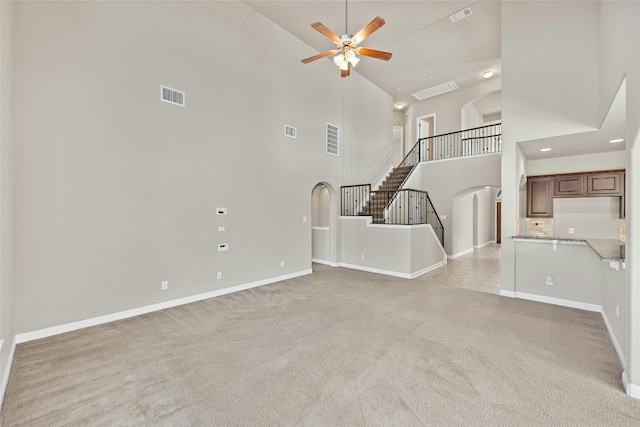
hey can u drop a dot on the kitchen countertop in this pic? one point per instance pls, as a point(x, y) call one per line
point(611, 250)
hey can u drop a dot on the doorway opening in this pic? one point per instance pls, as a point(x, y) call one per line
point(323, 225)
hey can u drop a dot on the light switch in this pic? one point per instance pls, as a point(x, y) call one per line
point(571, 230)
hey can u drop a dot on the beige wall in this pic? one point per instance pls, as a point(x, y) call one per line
point(447, 178)
point(119, 190)
point(6, 190)
point(402, 251)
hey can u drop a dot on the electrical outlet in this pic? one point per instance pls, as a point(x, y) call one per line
point(219, 275)
point(549, 280)
point(281, 263)
point(165, 285)
point(223, 247)
point(572, 230)
point(362, 256)
point(221, 228)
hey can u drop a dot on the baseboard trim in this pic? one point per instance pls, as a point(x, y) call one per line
point(74, 326)
point(428, 269)
point(508, 294)
point(632, 390)
point(7, 371)
point(375, 270)
point(482, 245)
point(459, 254)
point(614, 340)
point(559, 301)
point(322, 261)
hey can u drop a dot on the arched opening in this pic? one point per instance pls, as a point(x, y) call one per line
point(482, 111)
point(323, 224)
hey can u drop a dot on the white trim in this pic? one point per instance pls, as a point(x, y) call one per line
point(379, 183)
point(73, 326)
point(322, 261)
point(482, 245)
point(375, 270)
point(7, 371)
point(428, 269)
point(614, 340)
point(632, 390)
point(559, 301)
point(508, 294)
point(459, 254)
point(321, 228)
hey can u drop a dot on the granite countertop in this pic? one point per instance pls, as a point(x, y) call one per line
point(607, 249)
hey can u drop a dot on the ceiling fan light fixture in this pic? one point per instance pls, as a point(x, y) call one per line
point(338, 60)
point(344, 66)
point(354, 60)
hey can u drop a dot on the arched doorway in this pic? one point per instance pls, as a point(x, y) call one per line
point(323, 224)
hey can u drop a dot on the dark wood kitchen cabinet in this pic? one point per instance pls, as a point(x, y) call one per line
point(569, 185)
point(540, 197)
point(605, 184)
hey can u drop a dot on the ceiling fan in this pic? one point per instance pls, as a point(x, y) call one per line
point(347, 48)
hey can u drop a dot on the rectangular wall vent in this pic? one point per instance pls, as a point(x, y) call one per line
point(332, 139)
point(435, 90)
point(460, 15)
point(172, 96)
point(290, 131)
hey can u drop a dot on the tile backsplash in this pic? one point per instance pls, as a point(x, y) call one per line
point(539, 227)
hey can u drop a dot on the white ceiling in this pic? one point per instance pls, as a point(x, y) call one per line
point(428, 50)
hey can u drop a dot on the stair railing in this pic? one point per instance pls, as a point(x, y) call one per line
point(464, 143)
point(354, 198)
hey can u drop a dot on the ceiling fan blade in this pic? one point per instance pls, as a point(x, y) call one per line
point(372, 53)
point(345, 73)
point(327, 32)
point(368, 29)
point(319, 56)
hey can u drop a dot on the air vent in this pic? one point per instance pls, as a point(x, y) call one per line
point(332, 139)
point(460, 15)
point(172, 96)
point(290, 131)
point(435, 90)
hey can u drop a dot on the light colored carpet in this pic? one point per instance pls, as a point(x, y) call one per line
point(336, 348)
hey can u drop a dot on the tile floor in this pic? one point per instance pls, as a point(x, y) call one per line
point(478, 271)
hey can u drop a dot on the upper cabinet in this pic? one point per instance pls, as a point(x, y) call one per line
point(540, 197)
point(541, 190)
point(605, 184)
point(569, 186)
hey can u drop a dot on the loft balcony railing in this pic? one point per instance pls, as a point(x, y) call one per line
point(399, 207)
point(464, 143)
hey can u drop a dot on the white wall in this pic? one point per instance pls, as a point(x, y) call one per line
point(119, 190)
point(616, 160)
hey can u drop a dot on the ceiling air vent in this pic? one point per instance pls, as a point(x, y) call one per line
point(332, 139)
point(172, 96)
point(290, 131)
point(435, 90)
point(460, 15)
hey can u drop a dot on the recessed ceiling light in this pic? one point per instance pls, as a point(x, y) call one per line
point(486, 186)
point(487, 74)
point(613, 141)
point(399, 106)
point(545, 149)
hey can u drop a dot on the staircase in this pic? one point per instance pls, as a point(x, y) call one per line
point(380, 198)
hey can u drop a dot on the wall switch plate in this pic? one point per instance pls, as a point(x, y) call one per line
point(617, 311)
point(572, 230)
point(362, 256)
point(165, 285)
point(221, 228)
point(219, 275)
point(304, 219)
point(223, 247)
point(281, 263)
point(549, 280)
point(443, 217)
